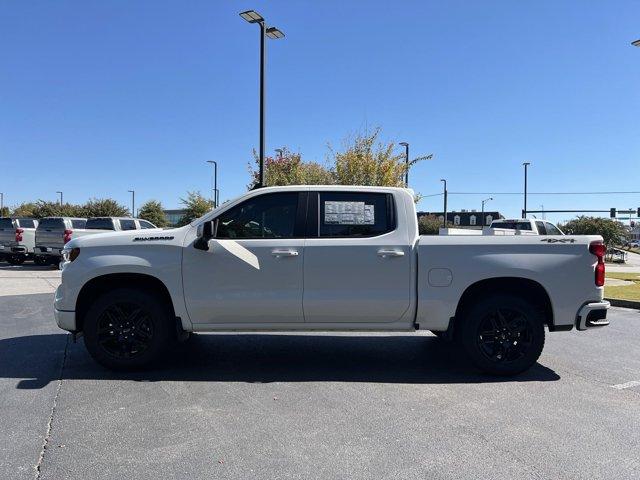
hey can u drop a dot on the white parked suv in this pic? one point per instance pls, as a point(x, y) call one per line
point(338, 258)
point(17, 239)
point(526, 225)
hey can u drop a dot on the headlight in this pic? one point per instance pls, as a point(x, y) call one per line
point(69, 255)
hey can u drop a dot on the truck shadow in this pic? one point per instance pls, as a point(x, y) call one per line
point(261, 358)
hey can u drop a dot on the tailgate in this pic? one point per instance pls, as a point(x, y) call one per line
point(50, 237)
point(7, 232)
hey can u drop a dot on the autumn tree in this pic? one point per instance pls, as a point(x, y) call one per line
point(195, 207)
point(288, 169)
point(154, 213)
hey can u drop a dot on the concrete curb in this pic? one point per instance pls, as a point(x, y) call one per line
point(616, 302)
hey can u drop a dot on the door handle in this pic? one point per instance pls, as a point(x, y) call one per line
point(284, 253)
point(384, 252)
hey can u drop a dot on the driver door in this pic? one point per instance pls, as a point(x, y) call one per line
point(252, 272)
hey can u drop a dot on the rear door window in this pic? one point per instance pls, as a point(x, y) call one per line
point(126, 224)
point(354, 214)
point(51, 223)
point(100, 224)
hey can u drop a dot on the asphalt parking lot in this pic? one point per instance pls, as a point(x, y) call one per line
point(311, 405)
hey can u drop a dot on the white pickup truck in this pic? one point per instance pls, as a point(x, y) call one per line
point(327, 258)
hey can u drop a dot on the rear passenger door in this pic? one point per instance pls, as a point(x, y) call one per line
point(357, 265)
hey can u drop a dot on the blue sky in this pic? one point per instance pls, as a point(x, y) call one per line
point(100, 97)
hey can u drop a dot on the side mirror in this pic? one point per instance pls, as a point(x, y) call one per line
point(206, 231)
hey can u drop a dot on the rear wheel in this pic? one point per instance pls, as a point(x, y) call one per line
point(502, 334)
point(127, 329)
point(16, 258)
point(40, 260)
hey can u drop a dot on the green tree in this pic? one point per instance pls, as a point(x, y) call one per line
point(5, 212)
point(44, 208)
point(153, 212)
point(612, 231)
point(195, 207)
point(429, 225)
point(102, 207)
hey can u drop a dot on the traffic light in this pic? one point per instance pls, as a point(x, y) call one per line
point(612, 213)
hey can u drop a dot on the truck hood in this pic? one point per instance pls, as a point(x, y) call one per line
point(172, 236)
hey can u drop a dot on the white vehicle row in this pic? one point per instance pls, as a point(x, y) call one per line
point(43, 240)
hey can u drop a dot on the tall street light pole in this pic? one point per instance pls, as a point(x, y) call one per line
point(252, 16)
point(60, 198)
point(406, 162)
point(636, 43)
point(1, 204)
point(215, 182)
point(483, 202)
point(524, 211)
point(133, 202)
point(445, 202)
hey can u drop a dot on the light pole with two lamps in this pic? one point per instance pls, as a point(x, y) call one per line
point(252, 16)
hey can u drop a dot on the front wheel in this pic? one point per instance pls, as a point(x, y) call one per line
point(502, 334)
point(127, 329)
point(16, 259)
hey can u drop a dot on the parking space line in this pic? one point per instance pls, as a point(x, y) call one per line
point(622, 386)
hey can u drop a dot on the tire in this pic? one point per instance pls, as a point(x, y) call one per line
point(502, 334)
point(39, 260)
point(16, 259)
point(127, 329)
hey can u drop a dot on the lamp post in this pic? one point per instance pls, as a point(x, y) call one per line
point(60, 198)
point(524, 211)
point(483, 202)
point(216, 193)
point(1, 204)
point(445, 202)
point(133, 202)
point(406, 162)
point(636, 43)
point(252, 16)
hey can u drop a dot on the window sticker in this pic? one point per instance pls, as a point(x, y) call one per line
point(348, 213)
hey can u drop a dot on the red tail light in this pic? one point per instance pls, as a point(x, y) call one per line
point(19, 232)
point(598, 249)
point(67, 235)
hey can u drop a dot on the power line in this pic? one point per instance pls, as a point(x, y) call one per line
point(539, 193)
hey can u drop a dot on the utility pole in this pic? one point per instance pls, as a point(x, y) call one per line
point(445, 202)
point(406, 162)
point(483, 202)
point(524, 211)
point(133, 202)
point(215, 182)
